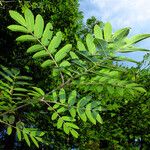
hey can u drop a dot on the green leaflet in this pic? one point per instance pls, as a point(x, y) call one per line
point(71, 125)
point(90, 44)
point(72, 111)
point(72, 98)
point(62, 109)
point(62, 95)
point(55, 42)
point(74, 133)
point(97, 117)
point(89, 113)
point(59, 123)
point(98, 32)
point(23, 38)
point(132, 49)
point(34, 94)
point(73, 55)
point(82, 114)
point(9, 130)
point(19, 94)
point(120, 34)
point(29, 17)
point(56, 106)
point(40, 54)
point(81, 46)
point(26, 137)
point(17, 17)
point(7, 71)
point(34, 48)
point(95, 104)
point(34, 141)
point(39, 26)
point(66, 128)
point(6, 77)
point(47, 35)
point(140, 89)
point(39, 90)
point(83, 102)
point(18, 134)
point(137, 38)
point(41, 134)
point(62, 52)
point(55, 98)
point(17, 28)
point(22, 83)
point(39, 139)
point(54, 116)
point(65, 63)
point(23, 78)
point(66, 118)
point(20, 89)
point(123, 58)
point(47, 63)
point(107, 31)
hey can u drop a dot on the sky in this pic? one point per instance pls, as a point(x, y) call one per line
point(122, 13)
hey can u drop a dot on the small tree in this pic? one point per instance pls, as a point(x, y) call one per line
point(78, 78)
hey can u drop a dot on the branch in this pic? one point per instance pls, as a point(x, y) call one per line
point(62, 77)
point(19, 107)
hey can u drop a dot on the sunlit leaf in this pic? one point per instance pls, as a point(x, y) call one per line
point(17, 17)
point(74, 133)
point(54, 116)
point(24, 38)
point(137, 38)
point(29, 17)
point(89, 113)
point(47, 63)
point(72, 112)
point(17, 28)
point(26, 138)
point(90, 44)
point(39, 26)
point(40, 54)
point(98, 32)
point(59, 123)
point(34, 141)
point(18, 134)
point(9, 130)
point(120, 34)
point(34, 48)
point(47, 34)
point(81, 46)
point(55, 42)
point(107, 31)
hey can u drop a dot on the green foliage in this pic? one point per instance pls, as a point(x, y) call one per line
point(83, 80)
